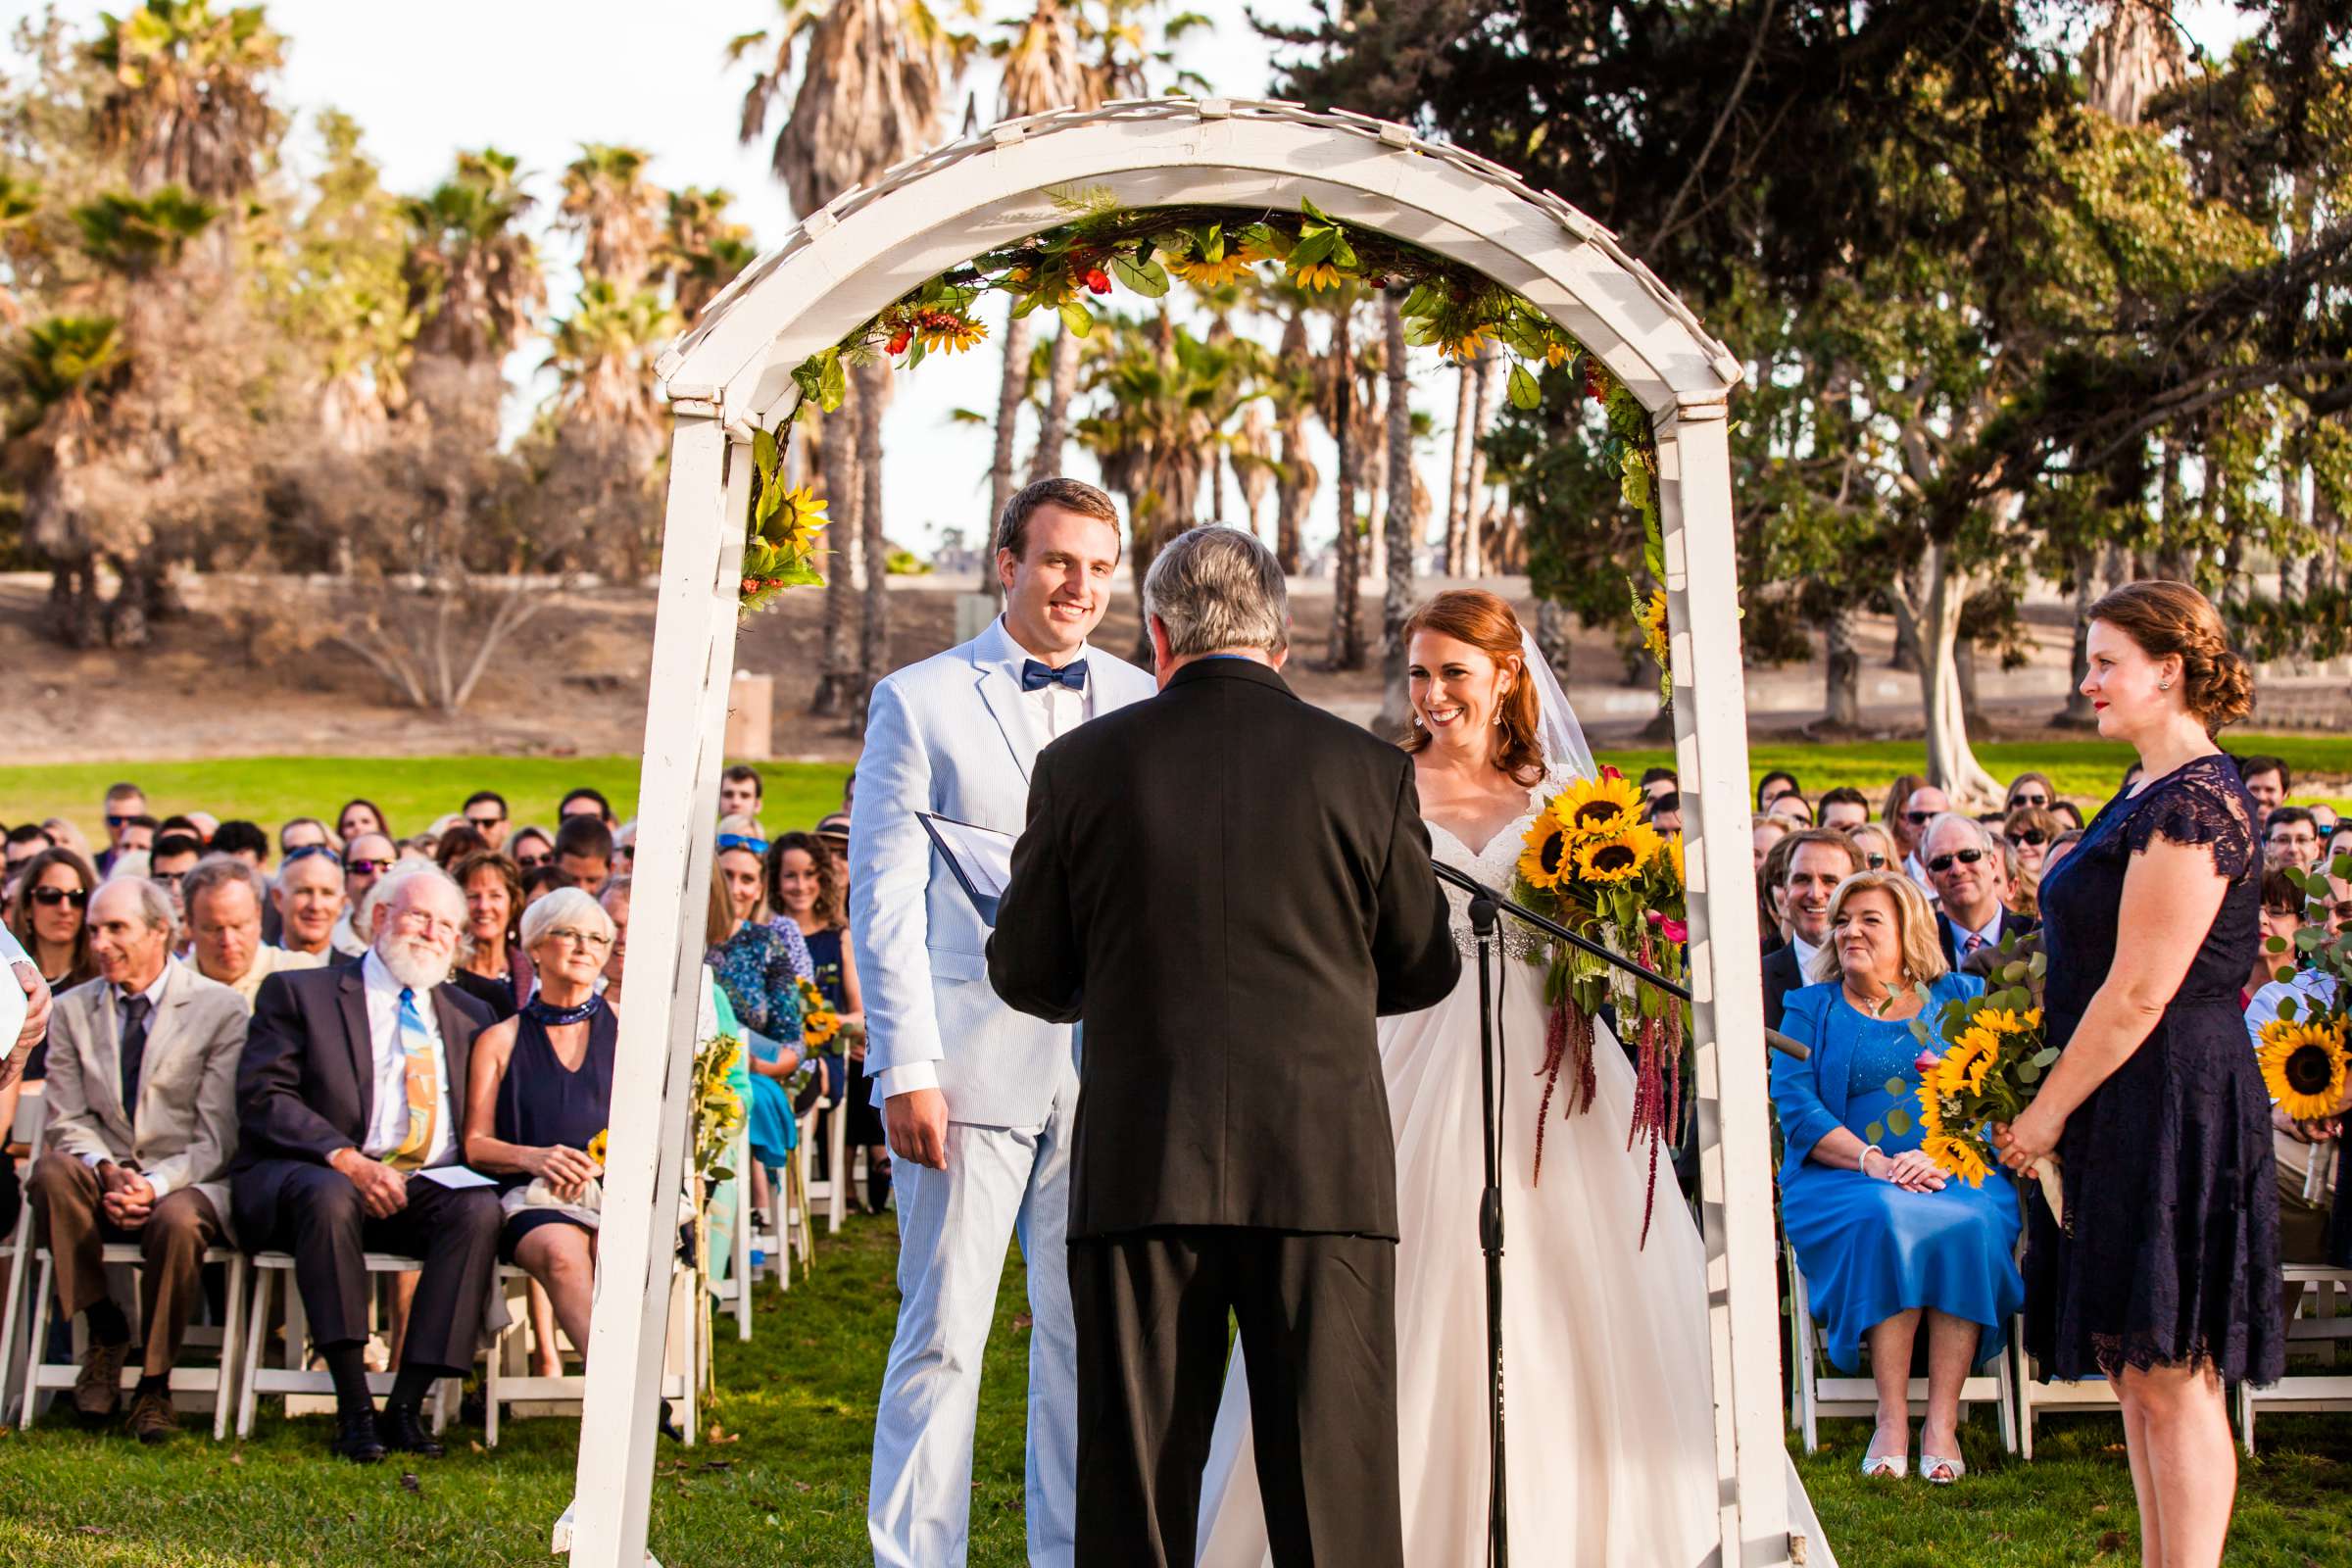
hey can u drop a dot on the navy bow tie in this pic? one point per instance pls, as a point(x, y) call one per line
point(1036, 675)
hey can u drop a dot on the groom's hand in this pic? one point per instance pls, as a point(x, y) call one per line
point(916, 1123)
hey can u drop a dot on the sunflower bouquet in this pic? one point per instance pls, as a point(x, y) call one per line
point(2305, 1063)
point(820, 1023)
point(1992, 1066)
point(1591, 863)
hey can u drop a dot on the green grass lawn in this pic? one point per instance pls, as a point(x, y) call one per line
point(788, 1485)
point(415, 790)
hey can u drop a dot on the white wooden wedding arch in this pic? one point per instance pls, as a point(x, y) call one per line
point(732, 375)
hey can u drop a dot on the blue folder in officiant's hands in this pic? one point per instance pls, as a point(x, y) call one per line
point(979, 858)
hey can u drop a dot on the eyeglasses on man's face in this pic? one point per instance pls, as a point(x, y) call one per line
point(424, 922)
point(112, 820)
point(1920, 818)
point(368, 868)
point(1943, 863)
point(51, 897)
point(485, 823)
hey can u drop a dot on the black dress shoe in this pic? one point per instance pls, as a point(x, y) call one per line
point(404, 1434)
point(356, 1439)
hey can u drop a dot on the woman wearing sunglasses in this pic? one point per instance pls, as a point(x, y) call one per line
point(1875, 846)
point(2031, 831)
point(46, 916)
point(2031, 789)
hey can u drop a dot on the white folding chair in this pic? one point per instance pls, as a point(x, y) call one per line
point(734, 1292)
point(294, 1378)
point(508, 1382)
point(16, 1248)
point(2033, 1398)
point(830, 1195)
point(2321, 1331)
point(1815, 1395)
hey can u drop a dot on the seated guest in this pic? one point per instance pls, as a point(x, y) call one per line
point(45, 916)
point(2265, 779)
point(1772, 786)
point(310, 901)
point(624, 850)
point(834, 829)
point(126, 819)
point(2339, 841)
point(1884, 1240)
point(2029, 831)
point(540, 881)
point(169, 864)
point(584, 851)
point(1926, 804)
point(303, 833)
point(761, 968)
point(808, 884)
point(242, 840)
point(492, 966)
point(2290, 836)
point(2060, 847)
point(2282, 906)
point(534, 846)
point(66, 836)
point(585, 801)
point(1772, 920)
point(1876, 845)
point(1654, 782)
point(486, 815)
point(539, 1090)
point(1664, 812)
point(1965, 867)
point(1817, 860)
point(142, 1121)
point(740, 791)
point(2324, 815)
point(1768, 831)
point(225, 898)
point(189, 823)
point(348, 1090)
point(360, 817)
point(1793, 807)
point(366, 858)
point(460, 842)
point(24, 841)
point(2032, 790)
point(1844, 807)
point(2068, 814)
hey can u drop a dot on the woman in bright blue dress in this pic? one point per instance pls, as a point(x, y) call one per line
point(1884, 1239)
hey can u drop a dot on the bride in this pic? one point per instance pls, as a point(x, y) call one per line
point(1611, 1419)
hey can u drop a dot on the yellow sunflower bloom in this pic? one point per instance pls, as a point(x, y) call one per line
point(596, 1146)
point(1964, 1068)
point(1959, 1156)
point(1544, 861)
point(1619, 857)
point(1226, 268)
point(1467, 346)
point(1556, 352)
point(2303, 1066)
point(1931, 1112)
point(1592, 807)
point(800, 518)
point(1317, 277)
point(1674, 854)
point(945, 332)
point(820, 1028)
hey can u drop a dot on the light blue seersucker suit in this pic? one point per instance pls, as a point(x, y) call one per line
point(956, 735)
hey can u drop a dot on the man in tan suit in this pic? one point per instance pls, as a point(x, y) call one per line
point(142, 1122)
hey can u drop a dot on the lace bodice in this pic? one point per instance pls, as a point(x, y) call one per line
point(1494, 865)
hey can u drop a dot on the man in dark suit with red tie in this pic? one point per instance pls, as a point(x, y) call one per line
point(348, 1095)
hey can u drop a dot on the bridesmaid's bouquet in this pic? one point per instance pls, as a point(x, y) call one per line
point(2303, 1060)
point(1987, 1073)
point(820, 1023)
point(1591, 863)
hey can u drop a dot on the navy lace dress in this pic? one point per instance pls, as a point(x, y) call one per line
point(2170, 1254)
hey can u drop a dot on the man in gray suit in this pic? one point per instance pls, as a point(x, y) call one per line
point(977, 1099)
point(142, 1121)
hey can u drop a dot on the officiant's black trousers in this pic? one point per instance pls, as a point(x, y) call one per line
point(1317, 1316)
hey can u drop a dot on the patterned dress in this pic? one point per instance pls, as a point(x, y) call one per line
point(756, 968)
point(2170, 1250)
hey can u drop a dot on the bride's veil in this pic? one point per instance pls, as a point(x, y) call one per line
point(1562, 737)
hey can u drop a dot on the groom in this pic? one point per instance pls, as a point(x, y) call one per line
point(1227, 885)
point(978, 1101)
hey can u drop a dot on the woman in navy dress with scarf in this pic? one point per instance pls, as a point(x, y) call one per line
point(539, 1098)
point(2164, 1275)
point(809, 888)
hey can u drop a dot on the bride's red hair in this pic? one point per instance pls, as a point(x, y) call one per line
point(1487, 623)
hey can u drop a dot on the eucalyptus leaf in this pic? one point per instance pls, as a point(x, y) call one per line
point(1898, 1122)
point(1874, 1134)
point(1897, 1088)
point(2044, 1056)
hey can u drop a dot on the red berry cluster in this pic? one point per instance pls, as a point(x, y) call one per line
point(753, 585)
point(1596, 380)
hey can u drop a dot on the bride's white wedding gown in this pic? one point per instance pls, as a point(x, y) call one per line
point(1609, 1410)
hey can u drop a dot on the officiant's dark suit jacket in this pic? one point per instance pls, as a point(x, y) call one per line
point(1226, 886)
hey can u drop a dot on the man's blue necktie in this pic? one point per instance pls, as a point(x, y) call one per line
point(1036, 674)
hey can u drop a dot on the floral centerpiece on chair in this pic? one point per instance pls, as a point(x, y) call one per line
point(1592, 865)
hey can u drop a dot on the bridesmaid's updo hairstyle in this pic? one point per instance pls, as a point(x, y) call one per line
point(2168, 618)
point(1487, 623)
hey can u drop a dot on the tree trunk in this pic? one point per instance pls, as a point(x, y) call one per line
point(1398, 603)
point(2077, 712)
point(1490, 393)
point(1964, 671)
point(873, 637)
point(837, 670)
point(1295, 482)
point(1457, 478)
point(1052, 426)
point(1347, 632)
point(1952, 766)
point(1009, 398)
point(1905, 655)
point(1842, 698)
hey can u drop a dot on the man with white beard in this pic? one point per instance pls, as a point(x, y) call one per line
point(348, 1093)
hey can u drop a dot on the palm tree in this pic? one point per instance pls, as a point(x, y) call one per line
point(69, 369)
point(1351, 418)
point(1043, 71)
point(1292, 390)
point(472, 271)
point(701, 249)
point(610, 204)
point(1403, 518)
point(608, 422)
point(20, 204)
point(867, 80)
point(187, 104)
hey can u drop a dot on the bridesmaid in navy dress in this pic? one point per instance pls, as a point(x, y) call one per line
point(809, 888)
point(2165, 1277)
point(539, 1092)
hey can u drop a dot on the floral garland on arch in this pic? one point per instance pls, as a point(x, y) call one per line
point(1591, 863)
point(1106, 247)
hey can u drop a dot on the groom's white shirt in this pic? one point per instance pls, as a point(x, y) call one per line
point(956, 735)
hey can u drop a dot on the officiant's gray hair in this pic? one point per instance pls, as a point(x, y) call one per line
point(1216, 588)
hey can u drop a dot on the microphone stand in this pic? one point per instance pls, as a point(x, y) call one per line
point(1485, 904)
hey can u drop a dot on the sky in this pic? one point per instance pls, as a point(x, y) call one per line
point(537, 78)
